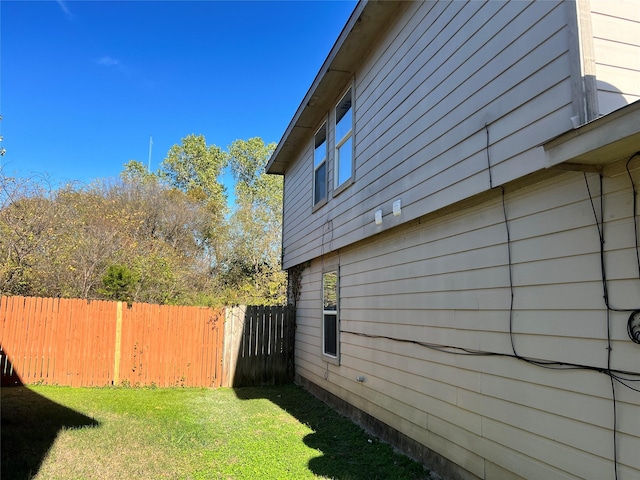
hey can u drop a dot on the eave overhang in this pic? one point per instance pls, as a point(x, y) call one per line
point(368, 20)
point(603, 141)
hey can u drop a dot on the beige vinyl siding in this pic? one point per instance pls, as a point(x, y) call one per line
point(616, 40)
point(445, 280)
point(297, 207)
point(307, 233)
point(424, 99)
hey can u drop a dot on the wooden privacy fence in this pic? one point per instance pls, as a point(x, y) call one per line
point(97, 343)
point(259, 346)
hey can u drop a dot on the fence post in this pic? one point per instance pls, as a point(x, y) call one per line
point(233, 329)
point(116, 356)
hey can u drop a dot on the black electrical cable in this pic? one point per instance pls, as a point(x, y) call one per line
point(635, 209)
point(613, 374)
point(608, 317)
point(633, 326)
point(633, 330)
point(622, 382)
point(613, 388)
point(615, 429)
point(600, 227)
point(506, 225)
point(551, 364)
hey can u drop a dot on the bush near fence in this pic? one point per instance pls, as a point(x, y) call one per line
point(99, 343)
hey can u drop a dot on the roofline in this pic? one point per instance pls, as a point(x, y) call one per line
point(602, 141)
point(367, 21)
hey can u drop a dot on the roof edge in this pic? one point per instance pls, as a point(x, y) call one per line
point(602, 141)
point(355, 40)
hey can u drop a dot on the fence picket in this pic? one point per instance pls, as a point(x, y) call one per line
point(259, 361)
point(73, 342)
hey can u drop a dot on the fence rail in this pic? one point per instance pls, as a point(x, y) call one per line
point(97, 343)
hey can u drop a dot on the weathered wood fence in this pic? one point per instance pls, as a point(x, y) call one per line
point(259, 345)
point(98, 343)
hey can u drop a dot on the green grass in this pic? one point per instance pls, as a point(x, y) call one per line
point(129, 433)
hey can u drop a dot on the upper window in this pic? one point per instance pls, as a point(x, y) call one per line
point(330, 325)
point(320, 166)
point(344, 140)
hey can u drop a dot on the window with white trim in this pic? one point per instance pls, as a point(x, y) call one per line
point(330, 325)
point(320, 166)
point(344, 140)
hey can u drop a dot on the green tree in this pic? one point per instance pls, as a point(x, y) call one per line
point(164, 237)
point(28, 220)
point(194, 168)
point(253, 268)
point(119, 283)
point(164, 249)
point(136, 171)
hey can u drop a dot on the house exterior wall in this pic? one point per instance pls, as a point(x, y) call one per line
point(454, 104)
point(444, 280)
point(616, 44)
point(445, 79)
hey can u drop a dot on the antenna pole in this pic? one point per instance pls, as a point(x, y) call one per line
point(150, 147)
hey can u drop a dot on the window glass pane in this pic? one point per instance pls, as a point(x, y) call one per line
point(320, 183)
point(330, 290)
point(320, 152)
point(345, 156)
point(331, 334)
point(344, 120)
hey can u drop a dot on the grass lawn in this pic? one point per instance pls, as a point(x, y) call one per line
point(142, 433)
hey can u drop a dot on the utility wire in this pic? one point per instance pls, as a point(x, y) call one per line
point(635, 209)
point(551, 364)
point(2, 150)
point(615, 375)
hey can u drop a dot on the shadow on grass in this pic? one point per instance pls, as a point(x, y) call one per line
point(30, 424)
point(348, 452)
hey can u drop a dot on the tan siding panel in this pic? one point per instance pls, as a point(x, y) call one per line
point(619, 84)
point(616, 30)
point(617, 54)
point(625, 9)
point(547, 425)
point(564, 459)
point(416, 137)
point(446, 282)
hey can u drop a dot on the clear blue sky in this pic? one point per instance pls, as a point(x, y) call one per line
point(84, 84)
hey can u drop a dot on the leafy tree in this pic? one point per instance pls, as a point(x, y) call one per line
point(164, 237)
point(119, 283)
point(28, 219)
point(91, 237)
point(136, 171)
point(254, 267)
point(194, 168)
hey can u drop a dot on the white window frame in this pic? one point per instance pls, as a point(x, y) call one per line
point(317, 165)
point(330, 356)
point(338, 143)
